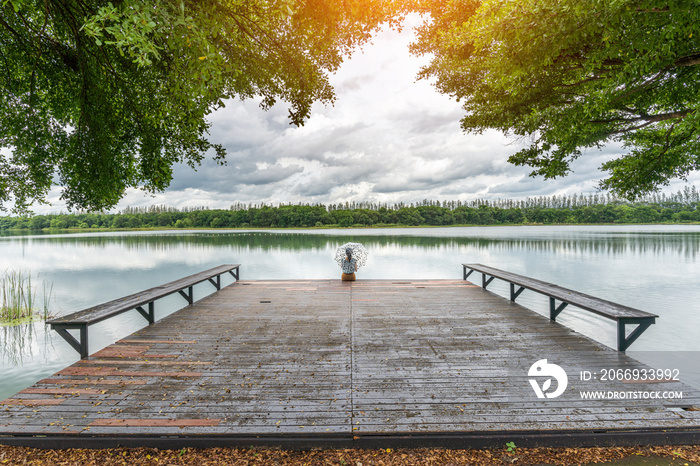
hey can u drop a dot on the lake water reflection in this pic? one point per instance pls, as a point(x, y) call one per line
point(653, 268)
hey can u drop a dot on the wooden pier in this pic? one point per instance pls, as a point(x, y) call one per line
point(325, 363)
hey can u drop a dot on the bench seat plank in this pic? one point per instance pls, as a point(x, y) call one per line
point(599, 306)
point(106, 310)
point(82, 319)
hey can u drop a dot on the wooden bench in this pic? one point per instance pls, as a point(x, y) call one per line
point(82, 319)
point(624, 315)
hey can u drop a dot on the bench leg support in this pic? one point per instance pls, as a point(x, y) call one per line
point(514, 294)
point(484, 281)
point(623, 340)
point(80, 346)
point(216, 283)
point(555, 310)
point(189, 296)
point(234, 273)
point(466, 274)
point(149, 315)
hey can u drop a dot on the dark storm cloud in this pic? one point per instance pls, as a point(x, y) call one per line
point(272, 174)
point(454, 171)
point(228, 179)
point(322, 145)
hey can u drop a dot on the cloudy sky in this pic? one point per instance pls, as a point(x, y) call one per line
point(388, 138)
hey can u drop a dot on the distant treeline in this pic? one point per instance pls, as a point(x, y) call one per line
point(658, 208)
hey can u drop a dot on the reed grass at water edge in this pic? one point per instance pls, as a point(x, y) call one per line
point(18, 297)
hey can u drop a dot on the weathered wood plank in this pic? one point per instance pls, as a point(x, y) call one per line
point(103, 311)
point(597, 305)
point(312, 357)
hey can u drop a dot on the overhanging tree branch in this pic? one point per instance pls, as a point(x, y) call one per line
point(649, 118)
point(105, 119)
point(690, 60)
point(581, 75)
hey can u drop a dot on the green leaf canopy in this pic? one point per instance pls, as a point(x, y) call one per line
point(100, 96)
point(568, 75)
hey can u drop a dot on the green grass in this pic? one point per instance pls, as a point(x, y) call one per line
point(18, 303)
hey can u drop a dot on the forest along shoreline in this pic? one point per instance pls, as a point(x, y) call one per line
point(680, 208)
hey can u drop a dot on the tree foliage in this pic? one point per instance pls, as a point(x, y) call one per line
point(99, 96)
point(576, 74)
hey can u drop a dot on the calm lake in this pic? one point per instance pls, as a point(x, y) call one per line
point(651, 267)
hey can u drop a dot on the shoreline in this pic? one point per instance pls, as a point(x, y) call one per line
point(328, 227)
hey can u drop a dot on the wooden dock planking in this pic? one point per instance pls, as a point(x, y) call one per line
point(395, 364)
point(308, 358)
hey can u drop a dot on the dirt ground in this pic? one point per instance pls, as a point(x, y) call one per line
point(667, 455)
